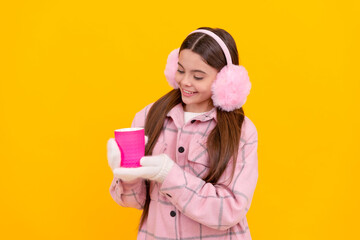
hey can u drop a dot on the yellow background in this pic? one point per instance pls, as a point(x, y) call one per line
point(73, 71)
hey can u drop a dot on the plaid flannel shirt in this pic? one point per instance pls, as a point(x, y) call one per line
point(184, 206)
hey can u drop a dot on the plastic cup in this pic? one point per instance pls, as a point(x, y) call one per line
point(131, 142)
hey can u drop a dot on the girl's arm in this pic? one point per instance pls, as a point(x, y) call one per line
point(219, 206)
point(131, 194)
point(128, 194)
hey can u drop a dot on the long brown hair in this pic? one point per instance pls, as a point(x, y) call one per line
point(223, 141)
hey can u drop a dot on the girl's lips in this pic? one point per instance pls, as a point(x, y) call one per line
point(187, 93)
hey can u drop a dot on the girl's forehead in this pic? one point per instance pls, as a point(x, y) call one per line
point(190, 58)
point(192, 61)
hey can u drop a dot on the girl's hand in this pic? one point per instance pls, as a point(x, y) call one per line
point(152, 167)
point(113, 153)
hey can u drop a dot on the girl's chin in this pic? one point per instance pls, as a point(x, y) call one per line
point(188, 99)
point(193, 106)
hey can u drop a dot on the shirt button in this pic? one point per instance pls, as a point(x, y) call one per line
point(181, 149)
point(173, 213)
point(192, 121)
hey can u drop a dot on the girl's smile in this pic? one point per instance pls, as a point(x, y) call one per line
point(187, 93)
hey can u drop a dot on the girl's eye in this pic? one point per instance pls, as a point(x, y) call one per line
point(197, 78)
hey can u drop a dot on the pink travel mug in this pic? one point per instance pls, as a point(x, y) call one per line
point(131, 142)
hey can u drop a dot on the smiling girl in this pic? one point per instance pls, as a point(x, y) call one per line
point(199, 174)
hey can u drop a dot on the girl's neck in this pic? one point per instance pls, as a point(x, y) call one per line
point(191, 109)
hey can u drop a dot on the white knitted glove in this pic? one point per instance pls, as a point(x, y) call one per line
point(152, 167)
point(113, 153)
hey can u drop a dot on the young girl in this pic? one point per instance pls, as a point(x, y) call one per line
point(199, 174)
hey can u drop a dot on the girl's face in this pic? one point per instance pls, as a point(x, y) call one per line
point(195, 78)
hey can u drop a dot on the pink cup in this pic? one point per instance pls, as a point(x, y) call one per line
point(131, 142)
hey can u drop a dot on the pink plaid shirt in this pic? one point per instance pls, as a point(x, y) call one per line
point(184, 206)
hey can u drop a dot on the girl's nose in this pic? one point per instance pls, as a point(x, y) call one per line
point(186, 81)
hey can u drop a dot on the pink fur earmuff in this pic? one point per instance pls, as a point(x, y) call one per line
point(172, 67)
point(231, 86)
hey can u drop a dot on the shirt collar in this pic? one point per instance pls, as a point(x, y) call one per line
point(177, 114)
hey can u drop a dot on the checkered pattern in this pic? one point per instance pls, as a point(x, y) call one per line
point(184, 206)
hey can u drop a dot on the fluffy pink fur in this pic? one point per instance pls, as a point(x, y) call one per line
point(171, 68)
point(231, 88)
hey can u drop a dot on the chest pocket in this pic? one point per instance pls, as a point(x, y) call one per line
point(198, 157)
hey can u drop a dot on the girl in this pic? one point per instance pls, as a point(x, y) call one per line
point(200, 170)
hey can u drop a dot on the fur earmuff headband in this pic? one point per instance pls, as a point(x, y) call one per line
point(231, 86)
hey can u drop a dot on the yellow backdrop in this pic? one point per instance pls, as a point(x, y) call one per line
point(73, 71)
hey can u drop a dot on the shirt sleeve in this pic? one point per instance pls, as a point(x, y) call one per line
point(221, 205)
point(128, 194)
point(131, 194)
